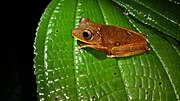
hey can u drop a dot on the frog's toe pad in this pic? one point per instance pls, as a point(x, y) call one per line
point(110, 56)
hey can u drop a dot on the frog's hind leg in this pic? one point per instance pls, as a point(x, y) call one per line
point(127, 50)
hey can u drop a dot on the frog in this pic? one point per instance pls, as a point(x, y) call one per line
point(116, 41)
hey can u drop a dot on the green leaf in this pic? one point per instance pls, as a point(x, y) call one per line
point(164, 15)
point(63, 72)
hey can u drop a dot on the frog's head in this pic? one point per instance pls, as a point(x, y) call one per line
point(88, 32)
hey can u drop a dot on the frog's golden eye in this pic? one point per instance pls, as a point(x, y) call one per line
point(88, 34)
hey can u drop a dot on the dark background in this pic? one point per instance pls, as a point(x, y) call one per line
point(19, 20)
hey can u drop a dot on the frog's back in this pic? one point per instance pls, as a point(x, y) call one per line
point(115, 36)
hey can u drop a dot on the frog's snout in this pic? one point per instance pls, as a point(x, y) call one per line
point(74, 32)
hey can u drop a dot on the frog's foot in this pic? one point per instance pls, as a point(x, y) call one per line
point(113, 55)
point(82, 46)
point(110, 56)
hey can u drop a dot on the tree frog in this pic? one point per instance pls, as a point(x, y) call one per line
point(115, 40)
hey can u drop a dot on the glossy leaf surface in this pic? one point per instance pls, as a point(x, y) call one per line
point(162, 14)
point(64, 72)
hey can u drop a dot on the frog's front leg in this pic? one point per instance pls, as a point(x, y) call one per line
point(98, 47)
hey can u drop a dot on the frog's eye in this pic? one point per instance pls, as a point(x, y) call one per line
point(88, 34)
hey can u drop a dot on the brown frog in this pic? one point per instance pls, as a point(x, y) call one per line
point(116, 41)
